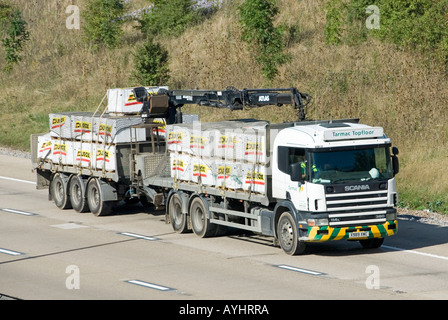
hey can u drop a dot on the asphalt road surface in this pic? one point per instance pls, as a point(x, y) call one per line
point(47, 253)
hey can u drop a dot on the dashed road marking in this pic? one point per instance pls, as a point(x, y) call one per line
point(290, 268)
point(416, 252)
point(138, 236)
point(17, 180)
point(24, 213)
point(10, 252)
point(149, 285)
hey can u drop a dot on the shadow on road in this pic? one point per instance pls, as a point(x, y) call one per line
point(412, 235)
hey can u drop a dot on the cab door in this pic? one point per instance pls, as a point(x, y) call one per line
point(290, 180)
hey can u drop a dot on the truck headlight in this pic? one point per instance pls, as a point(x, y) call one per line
point(318, 222)
point(391, 216)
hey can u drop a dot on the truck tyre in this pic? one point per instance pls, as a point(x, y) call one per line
point(177, 218)
point(372, 243)
point(94, 199)
point(77, 194)
point(200, 224)
point(59, 193)
point(288, 235)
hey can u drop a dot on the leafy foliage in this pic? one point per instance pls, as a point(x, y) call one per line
point(333, 26)
point(151, 64)
point(15, 34)
point(256, 18)
point(420, 25)
point(102, 25)
point(169, 17)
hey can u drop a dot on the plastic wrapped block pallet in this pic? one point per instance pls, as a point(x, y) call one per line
point(180, 165)
point(229, 140)
point(122, 100)
point(62, 152)
point(203, 171)
point(179, 139)
point(254, 176)
point(117, 129)
point(61, 125)
point(83, 154)
point(44, 146)
point(105, 157)
point(201, 143)
point(225, 144)
point(255, 148)
point(94, 156)
point(114, 129)
point(229, 175)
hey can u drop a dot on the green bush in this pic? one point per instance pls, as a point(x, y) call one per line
point(169, 17)
point(420, 25)
point(151, 64)
point(103, 22)
point(15, 34)
point(334, 13)
point(266, 40)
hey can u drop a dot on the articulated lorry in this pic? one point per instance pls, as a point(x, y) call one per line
point(297, 182)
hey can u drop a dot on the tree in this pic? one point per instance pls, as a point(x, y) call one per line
point(15, 34)
point(102, 25)
point(256, 18)
point(169, 17)
point(151, 64)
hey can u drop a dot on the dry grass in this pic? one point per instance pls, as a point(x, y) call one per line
point(374, 81)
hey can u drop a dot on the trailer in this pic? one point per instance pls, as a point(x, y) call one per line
point(297, 182)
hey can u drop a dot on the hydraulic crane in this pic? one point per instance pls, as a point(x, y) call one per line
point(168, 103)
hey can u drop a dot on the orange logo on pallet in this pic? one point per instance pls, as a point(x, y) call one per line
point(224, 172)
point(103, 155)
point(83, 127)
point(58, 122)
point(178, 165)
point(83, 155)
point(255, 178)
point(60, 148)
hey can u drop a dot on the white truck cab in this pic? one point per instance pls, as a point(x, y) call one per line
point(339, 177)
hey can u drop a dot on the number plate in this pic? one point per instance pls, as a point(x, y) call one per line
point(362, 234)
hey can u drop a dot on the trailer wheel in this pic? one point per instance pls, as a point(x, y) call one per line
point(59, 193)
point(77, 194)
point(177, 218)
point(200, 224)
point(288, 235)
point(97, 205)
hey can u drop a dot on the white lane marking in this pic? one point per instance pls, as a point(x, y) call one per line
point(314, 273)
point(10, 252)
point(138, 236)
point(416, 252)
point(17, 180)
point(24, 213)
point(149, 285)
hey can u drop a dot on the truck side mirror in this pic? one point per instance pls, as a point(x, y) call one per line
point(395, 162)
point(394, 151)
point(295, 171)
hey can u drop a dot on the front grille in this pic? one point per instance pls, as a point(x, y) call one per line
point(357, 208)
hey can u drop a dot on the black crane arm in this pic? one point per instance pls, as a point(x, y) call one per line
point(168, 103)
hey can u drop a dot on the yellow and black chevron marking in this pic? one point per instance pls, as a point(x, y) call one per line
point(326, 233)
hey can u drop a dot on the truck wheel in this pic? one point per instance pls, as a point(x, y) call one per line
point(77, 194)
point(200, 224)
point(177, 218)
point(288, 235)
point(94, 199)
point(372, 243)
point(59, 193)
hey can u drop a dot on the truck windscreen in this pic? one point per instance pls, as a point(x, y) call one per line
point(361, 164)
